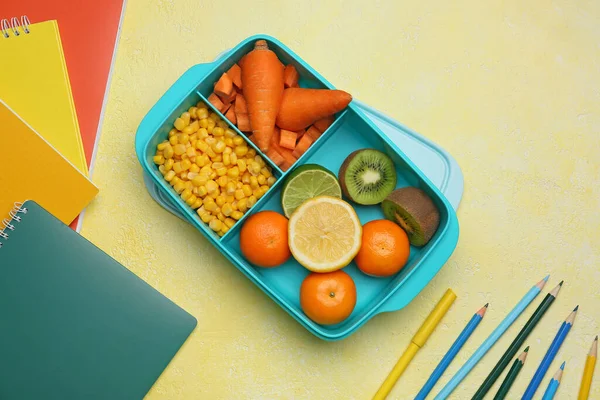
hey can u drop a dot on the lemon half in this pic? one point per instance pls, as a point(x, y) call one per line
point(324, 234)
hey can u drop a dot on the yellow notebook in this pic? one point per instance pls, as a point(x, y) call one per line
point(31, 169)
point(34, 82)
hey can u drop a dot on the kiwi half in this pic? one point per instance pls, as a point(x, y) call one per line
point(415, 212)
point(367, 176)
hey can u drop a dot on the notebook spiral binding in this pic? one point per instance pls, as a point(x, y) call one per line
point(7, 223)
point(14, 26)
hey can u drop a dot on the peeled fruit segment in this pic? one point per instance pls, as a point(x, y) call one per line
point(414, 211)
point(367, 176)
point(324, 234)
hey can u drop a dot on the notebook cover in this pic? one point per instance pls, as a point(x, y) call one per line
point(30, 168)
point(76, 324)
point(34, 82)
point(89, 31)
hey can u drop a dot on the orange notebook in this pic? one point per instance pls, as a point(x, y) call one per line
point(33, 170)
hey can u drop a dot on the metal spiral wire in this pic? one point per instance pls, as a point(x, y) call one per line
point(7, 224)
point(15, 26)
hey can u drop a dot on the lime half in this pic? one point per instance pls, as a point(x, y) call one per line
point(306, 182)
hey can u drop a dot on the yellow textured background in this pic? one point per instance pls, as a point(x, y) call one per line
point(509, 88)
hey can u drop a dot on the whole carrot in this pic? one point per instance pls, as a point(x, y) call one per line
point(262, 78)
point(301, 107)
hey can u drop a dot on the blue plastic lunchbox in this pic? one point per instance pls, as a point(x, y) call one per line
point(352, 130)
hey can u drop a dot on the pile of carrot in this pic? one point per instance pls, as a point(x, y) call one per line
point(262, 98)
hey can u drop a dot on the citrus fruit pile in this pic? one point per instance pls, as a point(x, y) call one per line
point(324, 234)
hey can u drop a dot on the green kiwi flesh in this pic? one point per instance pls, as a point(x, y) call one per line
point(367, 176)
point(414, 211)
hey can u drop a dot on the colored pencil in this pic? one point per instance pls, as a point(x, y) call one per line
point(588, 371)
point(452, 352)
point(491, 340)
point(512, 375)
point(418, 341)
point(560, 337)
point(554, 383)
point(517, 343)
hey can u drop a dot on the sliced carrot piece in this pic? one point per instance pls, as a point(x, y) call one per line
point(224, 87)
point(235, 73)
point(243, 122)
point(216, 101)
point(230, 115)
point(302, 146)
point(324, 123)
point(290, 76)
point(252, 139)
point(285, 165)
point(240, 104)
point(275, 156)
point(288, 139)
point(300, 133)
point(287, 155)
point(313, 133)
point(226, 107)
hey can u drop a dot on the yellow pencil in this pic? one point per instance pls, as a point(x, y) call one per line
point(588, 371)
point(416, 343)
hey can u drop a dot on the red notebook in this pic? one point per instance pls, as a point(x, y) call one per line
point(89, 32)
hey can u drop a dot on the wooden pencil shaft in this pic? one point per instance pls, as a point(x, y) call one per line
point(509, 380)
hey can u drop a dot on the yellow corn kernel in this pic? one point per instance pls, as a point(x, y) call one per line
point(230, 188)
point(212, 186)
point(202, 112)
point(183, 175)
point(179, 149)
point(237, 215)
point(241, 165)
point(234, 205)
point(202, 191)
point(162, 146)
point(206, 217)
point(210, 152)
point(271, 181)
point(186, 118)
point(217, 165)
point(242, 205)
point(173, 140)
point(222, 124)
point(226, 209)
point(179, 187)
point(247, 190)
point(162, 170)
point(202, 146)
point(186, 194)
point(169, 176)
point(234, 159)
point(239, 185)
point(264, 189)
point(191, 128)
point(254, 182)
point(240, 150)
point(228, 150)
point(168, 152)
point(215, 194)
point(218, 131)
point(173, 132)
point(197, 203)
point(211, 123)
point(202, 160)
point(238, 140)
point(195, 168)
point(195, 190)
point(179, 124)
point(191, 152)
point(214, 117)
point(220, 200)
point(252, 153)
point(251, 201)
point(222, 181)
point(183, 138)
point(229, 222)
point(259, 160)
point(224, 230)
point(202, 133)
point(228, 142)
point(213, 175)
point(175, 180)
point(217, 158)
point(186, 164)
point(177, 167)
point(221, 171)
point(158, 160)
point(262, 180)
point(226, 159)
point(257, 193)
point(234, 172)
point(265, 171)
point(206, 170)
point(246, 177)
point(254, 168)
point(230, 198)
point(210, 205)
point(203, 124)
point(192, 110)
point(191, 175)
point(169, 164)
point(239, 194)
point(184, 156)
point(200, 180)
point(191, 200)
point(221, 216)
point(230, 133)
point(219, 146)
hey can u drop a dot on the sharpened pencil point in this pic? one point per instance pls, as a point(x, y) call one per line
point(487, 304)
point(546, 278)
point(561, 283)
point(576, 308)
point(526, 349)
point(596, 338)
point(562, 366)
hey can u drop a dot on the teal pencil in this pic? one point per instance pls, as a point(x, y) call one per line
point(554, 383)
point(491, 340)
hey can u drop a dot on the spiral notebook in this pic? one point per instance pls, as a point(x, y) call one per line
point(35, 83)
point(33, 169)
point(76, 324)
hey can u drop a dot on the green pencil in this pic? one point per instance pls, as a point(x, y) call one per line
point(517, 343)
point(512, 375)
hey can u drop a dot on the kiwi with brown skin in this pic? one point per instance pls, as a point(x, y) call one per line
point(367, 176)
point(414, 211)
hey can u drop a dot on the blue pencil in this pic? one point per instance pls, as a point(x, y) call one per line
point(553, 385)
point(452, 352)
point(565, 327)
point(491, 340)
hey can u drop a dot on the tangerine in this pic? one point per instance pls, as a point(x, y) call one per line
point(385, 248)
point(264, 239)
point(328, 298)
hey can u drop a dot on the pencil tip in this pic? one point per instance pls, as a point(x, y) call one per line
point(576, 308)
point(561, 283)
point(486, 305)
point(562, 366)
point(546, 278)
point(526, 349)
point(596, 338)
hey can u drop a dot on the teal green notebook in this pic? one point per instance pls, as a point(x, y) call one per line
point(74, 323)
